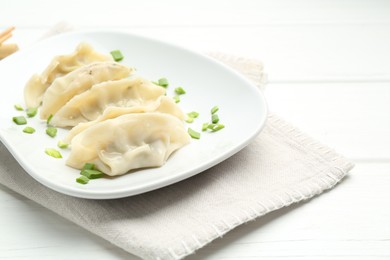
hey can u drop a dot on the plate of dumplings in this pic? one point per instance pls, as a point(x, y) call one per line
point(107, 114)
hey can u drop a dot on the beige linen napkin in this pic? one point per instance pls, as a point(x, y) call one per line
point(282, 166)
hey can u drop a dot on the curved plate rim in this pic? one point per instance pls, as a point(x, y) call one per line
point(120, 193)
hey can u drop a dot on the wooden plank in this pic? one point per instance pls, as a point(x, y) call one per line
point(29, 231)
point(314, 53)
point(192, 13)
point(348, 117)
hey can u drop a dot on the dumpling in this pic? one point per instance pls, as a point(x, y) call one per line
point(65, 88)
point(163, 104)
point(89, 105)
point(58, 67)
point(128, 142)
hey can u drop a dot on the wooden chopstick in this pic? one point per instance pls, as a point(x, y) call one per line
point(7, 49)
point(7, 31)
point(5, 37)
point(6, 34)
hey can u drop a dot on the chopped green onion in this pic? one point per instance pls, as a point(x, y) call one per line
point(193, 133)
point(193, 114)
point(163, 82)
point(117, 55)
point(218, 127)
point(205, 126)
point(61, 144)
point(28, 130)
point(51, 131)
point(92, 174)
point(18, 107)
point(82, 179)
point(190, 119)
point(49, 119)
point(53, 153)
point(176, 99)
point(214, 110)
point(32, 111)
point(215, 127)
point(89, 166)
point(19, 120)
point(214, 118)
point(180, 91)
point(211, 126)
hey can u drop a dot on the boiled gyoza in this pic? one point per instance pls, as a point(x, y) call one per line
point(58, 67)
point(163, 104)
point(89, 105)
point(128, 142)
point(65, 88)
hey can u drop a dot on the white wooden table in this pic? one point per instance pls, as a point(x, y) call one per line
point(329, 74)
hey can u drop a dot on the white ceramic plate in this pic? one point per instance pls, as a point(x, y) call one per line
point(207, 82)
